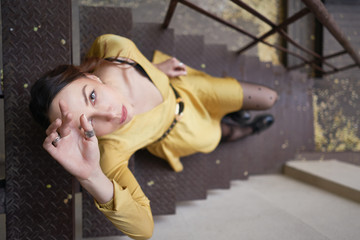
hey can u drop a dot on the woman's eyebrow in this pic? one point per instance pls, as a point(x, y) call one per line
point(84, 94)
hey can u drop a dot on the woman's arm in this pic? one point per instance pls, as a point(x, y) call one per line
point(129, 210)
point(120, 199)
point(99, 186)
point(172, 67)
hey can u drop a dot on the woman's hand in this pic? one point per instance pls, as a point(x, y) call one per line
point(172, 67)
point(78, 154)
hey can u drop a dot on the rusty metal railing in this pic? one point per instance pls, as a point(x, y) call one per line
point(312, 6)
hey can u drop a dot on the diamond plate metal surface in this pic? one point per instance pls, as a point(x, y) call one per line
point(216, 59)
point(157, 180)
point(189, 49)
point(95, 224)
point(95, 21)
point(36, 38)
point(149, 37)
point(192, 181)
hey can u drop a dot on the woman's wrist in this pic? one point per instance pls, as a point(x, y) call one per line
point(99, 186)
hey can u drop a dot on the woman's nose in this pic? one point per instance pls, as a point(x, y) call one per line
point(105, 115)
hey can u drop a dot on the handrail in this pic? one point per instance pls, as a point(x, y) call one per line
point(325, 57)
point(216, 18)
point(280, 30)
point(319, 10)
point(314, 6)
point(288, 21)
point(170, 13)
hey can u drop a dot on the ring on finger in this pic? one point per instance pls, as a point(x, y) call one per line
point(89, 134)
point(56, 140)
point(181, 64)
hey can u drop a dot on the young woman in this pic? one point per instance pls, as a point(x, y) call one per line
point(98, 114)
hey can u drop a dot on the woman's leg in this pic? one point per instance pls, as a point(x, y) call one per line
point(256, 97)
point(231, 133)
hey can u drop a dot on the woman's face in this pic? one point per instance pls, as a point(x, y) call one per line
point(104, 107)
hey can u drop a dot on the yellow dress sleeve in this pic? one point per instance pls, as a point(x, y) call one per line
point(129, 210)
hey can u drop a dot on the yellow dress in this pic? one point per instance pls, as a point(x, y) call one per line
point(207, 99)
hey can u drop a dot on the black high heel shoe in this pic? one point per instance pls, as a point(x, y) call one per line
point(261, 122)
point(240, 117)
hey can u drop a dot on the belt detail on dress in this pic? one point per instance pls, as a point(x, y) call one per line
point(179, 109)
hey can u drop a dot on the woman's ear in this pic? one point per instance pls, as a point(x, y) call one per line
point(93, 77)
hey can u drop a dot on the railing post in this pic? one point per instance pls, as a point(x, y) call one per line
point(170, 13)
point(319, 10)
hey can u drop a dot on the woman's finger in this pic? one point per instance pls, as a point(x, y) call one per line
point(178, 72)
point(66, 117)
point(175, 61)
point(88, 128)
point(63, 108)
point(53, 126)
point(48, 142)
point(65, 128)
point(179, 67)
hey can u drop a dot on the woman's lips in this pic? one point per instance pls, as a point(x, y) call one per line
point(123, 115)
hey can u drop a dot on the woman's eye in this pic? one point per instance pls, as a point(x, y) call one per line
point(92, 97)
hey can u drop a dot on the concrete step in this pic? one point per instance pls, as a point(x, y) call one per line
point(332, 175)
point(270, 207)
point(349, 157)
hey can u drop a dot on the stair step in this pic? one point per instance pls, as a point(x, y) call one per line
point(236, 64)
point(278, 205)
point(190, 50)
point(332, 175)
point(191, 182)
point(349, 157)
point(95, 21)
point(36, 185)
point(157, 180)
point(219, 168)
point(251, 70)
point(151, 36)
point(215, 59)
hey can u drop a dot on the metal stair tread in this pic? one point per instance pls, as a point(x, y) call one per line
point(151, 36)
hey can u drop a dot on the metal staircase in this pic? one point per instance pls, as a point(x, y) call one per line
point(39, 192)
